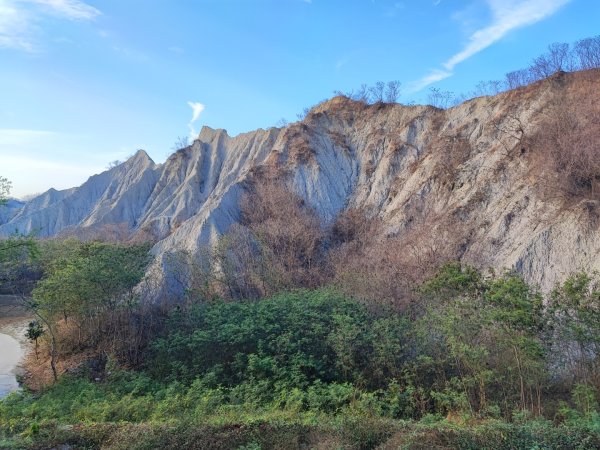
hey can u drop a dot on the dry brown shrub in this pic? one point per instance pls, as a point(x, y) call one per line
point(123, 334)
point(287, 234)
point(110, 233)
point(383, 269)
point(454, 150)
point(566, 156)
point(300, 148)
point(241, 266)
point(279, 245)
point(340, 108)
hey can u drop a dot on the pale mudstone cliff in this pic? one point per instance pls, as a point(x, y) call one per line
point(9, 209)
point(466, 173)
point(118, 195)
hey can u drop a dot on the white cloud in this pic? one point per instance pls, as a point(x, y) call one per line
point(19, 19)
point(70, 9)
point(197, 109)
point(434, 76)
point(15, 27)
point(507, 15)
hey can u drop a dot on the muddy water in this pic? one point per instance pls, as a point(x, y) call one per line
point(13, 323)
point(10, 356)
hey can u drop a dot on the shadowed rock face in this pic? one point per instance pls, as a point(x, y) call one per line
point(10, 209)
point(466, 172)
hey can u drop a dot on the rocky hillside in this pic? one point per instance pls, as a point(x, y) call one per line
point(504, 178)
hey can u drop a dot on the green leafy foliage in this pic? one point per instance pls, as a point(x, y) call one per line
point(96, 276)
point(5, 185)
point(290, 340)
point(574, 329)
point(479, 343)
point(87, 299)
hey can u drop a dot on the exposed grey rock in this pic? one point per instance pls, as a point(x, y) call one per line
point(118, 195)
point(393, 161)
point(10, 209)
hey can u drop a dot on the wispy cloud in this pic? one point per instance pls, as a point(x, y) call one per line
point(433, 76)
point(19, 19)
point(69, 9)
point(15, 27)
point(507, 15)
point(197, 109)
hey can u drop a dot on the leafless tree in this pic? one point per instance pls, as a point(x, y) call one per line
point(392, 91)
point(517, 78)
point(303, 114)
point(377, 92)
point(180, 143)
point(281, 123)
point(361, 95)
point(113, 164)
point(488, 88)
point(558, 58)
point(380, 92)
point(540, 68)
point(438, 98)
point(458, 99)
point(586, 53)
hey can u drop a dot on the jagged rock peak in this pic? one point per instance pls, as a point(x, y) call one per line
point(140, 157)
point(208, 134)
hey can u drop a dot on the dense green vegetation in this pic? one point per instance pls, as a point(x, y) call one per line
point(473, 362)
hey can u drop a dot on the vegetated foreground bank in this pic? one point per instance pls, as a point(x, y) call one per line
point(471, 361)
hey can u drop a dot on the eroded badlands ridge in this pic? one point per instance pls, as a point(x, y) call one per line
point(471, 172)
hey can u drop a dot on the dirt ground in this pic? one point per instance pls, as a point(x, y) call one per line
point(34, 370)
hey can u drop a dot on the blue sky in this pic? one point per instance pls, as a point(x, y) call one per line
point(83, 83)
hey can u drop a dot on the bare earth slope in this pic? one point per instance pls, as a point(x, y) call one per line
point(471, 174)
